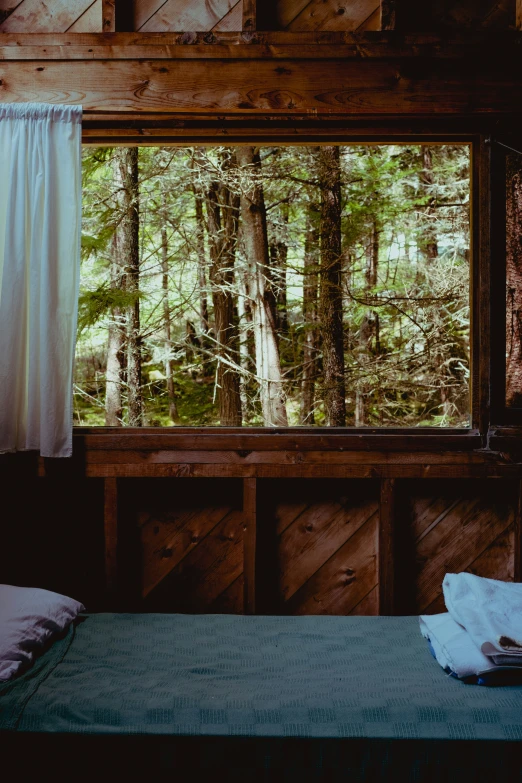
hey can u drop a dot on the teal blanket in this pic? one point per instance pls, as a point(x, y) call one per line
point(273, 679)
point(259, 676)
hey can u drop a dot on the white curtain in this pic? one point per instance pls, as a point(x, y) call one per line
point(40, 234)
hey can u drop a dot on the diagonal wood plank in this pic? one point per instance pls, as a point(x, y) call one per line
point(456, 542)
point(372, 23)
point(315, 537)
point(232, 22)
point(288, 10)
point(187, 16)
point(231, 600)
point(38, 16)
point(7, 7)
point(167, 538)
point(89, 22)
point(206, 572)
point(333, 15)
point(344, 580)
point(369, 606)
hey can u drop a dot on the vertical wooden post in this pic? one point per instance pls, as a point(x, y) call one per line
point(517, 569)
point(388, 14)
point(519, 15)
point(387, 547)
point(109, 16)
point(249, 15)
point(249, 543)
point(110, 520)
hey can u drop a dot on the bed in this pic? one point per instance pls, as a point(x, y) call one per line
point(325, 698)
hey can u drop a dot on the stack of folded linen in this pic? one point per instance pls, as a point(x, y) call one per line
point(479, 638)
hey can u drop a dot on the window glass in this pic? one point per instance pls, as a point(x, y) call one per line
point(275, 286)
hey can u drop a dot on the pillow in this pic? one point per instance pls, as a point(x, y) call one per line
point(30, 619)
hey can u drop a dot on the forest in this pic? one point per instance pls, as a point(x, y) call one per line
point(275, 286)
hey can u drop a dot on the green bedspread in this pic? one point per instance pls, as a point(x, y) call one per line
point(269, 678)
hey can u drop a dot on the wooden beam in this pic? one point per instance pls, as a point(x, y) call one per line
point(519, 15)
point(351, 88)
point(109, 16)
point(110, 522)
point(387, 561)
point(249, 544)
point(388, 14)
point(249, 16)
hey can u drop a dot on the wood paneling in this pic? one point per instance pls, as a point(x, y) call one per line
point(60, 16)
point(449, 527)
point(155, 16)
point(326, 544)
point(298, 15)
point(190, 545)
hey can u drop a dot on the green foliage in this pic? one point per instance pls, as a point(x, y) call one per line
point(406, 334)
point(94, 305)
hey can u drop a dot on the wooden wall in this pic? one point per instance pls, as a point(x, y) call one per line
point(153, 16)
point(183, 543)
point(58, 16)
point(272, 521)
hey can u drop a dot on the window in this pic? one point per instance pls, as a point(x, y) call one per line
point(275, 286)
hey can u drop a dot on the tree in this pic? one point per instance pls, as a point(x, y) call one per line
point(222, 206)
point(255, 238)
point(311, 336)
point(173, 408)
point(331, 296)
point(130, 250)
point(514, 281)
point(113, 401)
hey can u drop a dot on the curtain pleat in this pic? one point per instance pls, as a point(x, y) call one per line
point(40, 235)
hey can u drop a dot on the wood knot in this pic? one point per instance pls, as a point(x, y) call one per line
point(188, 38)
point(243, 453)
point(165, 553)
point(341, 11)
point(209, 38)
point(40, 68)
point(281, 70)
point(194, 539)
point(309, 528)
point(163, 70)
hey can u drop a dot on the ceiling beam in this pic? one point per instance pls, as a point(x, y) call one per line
point(519, 14)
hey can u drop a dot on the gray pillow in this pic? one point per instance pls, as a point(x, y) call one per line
point(29, 620)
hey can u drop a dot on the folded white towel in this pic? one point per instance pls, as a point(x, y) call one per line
point(453, 647)
point(491, 613)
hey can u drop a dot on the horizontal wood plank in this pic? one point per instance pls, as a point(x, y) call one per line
point(350, 88)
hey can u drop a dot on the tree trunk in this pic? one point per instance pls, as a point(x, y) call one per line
point(514, 282)
point(130, 227)
point(202, 264)
point(331, 297)
point(222, 225)
point(173, 409)
point(431, 245)
point(113, 406)
point(245, 329)
point(268, 367)
point(368, 327)
point(278, 263)
point(311, 341)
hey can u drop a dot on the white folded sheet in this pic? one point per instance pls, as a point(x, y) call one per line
point(453, 647)
point(482, 630)
point(491, 613)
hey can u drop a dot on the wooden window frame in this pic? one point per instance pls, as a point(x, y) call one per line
point(190, 130)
